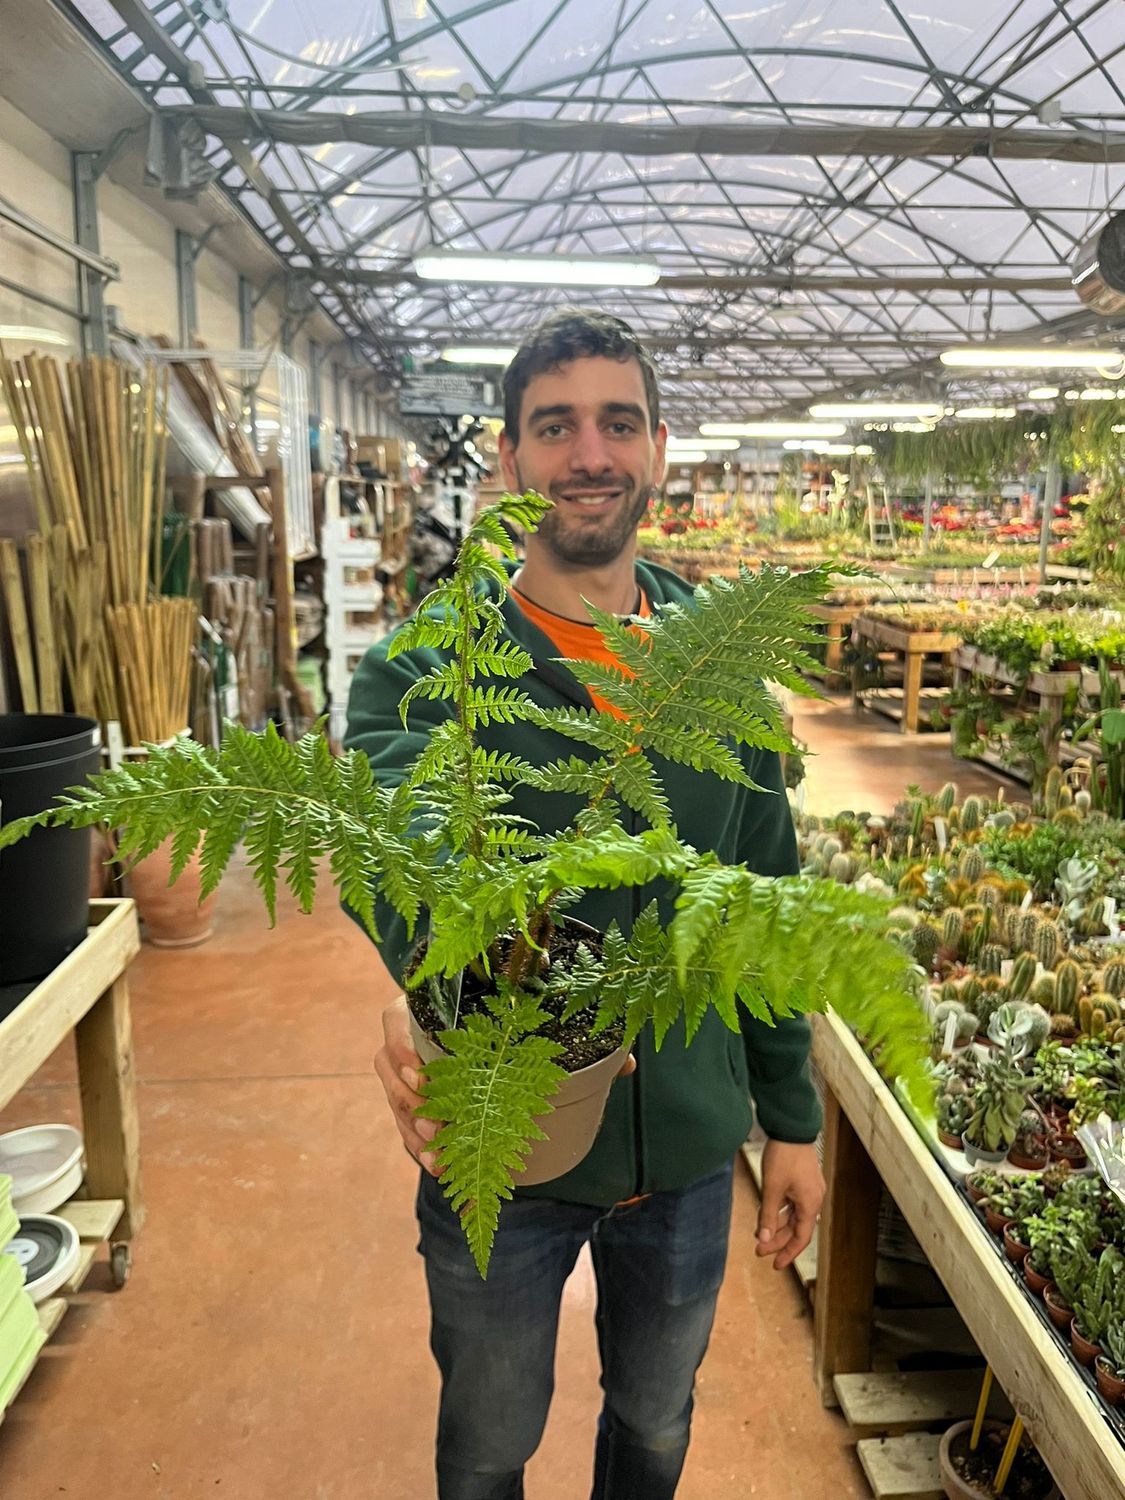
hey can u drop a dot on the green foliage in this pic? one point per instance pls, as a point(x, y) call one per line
point(445, 847)
point(1034, 853)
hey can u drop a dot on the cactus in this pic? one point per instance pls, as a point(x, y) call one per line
point(1091, 1018)
point(986, 894)
point(972, 865)
point(1051, 789)
point(1113, 977)
point(990, 958)
point(950, 994)
point(1021, 977)
point(1067, 815)
point(1092, 921)
point(1046, 945)
point(830, 847)
point(1002, 819)
point(1063, 1026)
point(925, 941)
point(1043, 992)
point(903, 916)
point(953, 931)
point(1015, 890)
point(1083, 802)
point(1066, 796)
point(1108, 1004)
point(943, 802)
point(1021, 811)
point(971, 814)
point(843, 868)
point(971, 991)
point(1068, 987)
point(1024, 934)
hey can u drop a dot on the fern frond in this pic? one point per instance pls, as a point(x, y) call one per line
point(635, 781)
point(493, 1083)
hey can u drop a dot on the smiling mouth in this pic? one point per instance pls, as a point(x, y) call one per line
point(591, 498)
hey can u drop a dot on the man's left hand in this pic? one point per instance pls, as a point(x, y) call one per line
point(792, 1192)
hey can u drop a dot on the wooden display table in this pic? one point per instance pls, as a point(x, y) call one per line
point(837, 620)
point(868, 1139)
point(88, 994)
point(913, 646)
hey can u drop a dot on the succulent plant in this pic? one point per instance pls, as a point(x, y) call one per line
point(987, 895)
point(1024, 933)
point(829, 847)
point(1051, 789)
point(953, 931)
point(1113, 977)
point(843, 868)
point(1083, 802)
point(1046, 946)
point(1022, 976)
point(925, 941)
point(943, 802)
point(1068, 988)
point(1043, 991)
point(971, 811)
point(1003, 819)
point(971, 865)
point(990, 958)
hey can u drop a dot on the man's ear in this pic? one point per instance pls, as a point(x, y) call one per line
point(508, 462)
point(660, 443)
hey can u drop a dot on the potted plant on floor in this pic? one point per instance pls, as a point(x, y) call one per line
point(970, 1474)
point(519, 1002)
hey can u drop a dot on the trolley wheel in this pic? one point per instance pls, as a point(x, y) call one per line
point(120, 1264)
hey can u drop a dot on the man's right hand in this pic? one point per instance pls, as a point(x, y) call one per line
point(398, 1067)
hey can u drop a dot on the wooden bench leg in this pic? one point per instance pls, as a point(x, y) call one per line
point(847, 1245)
point(108, 1086)
point(911, 691)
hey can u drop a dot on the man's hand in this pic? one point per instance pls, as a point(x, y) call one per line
point(398, 1067)
point(792, 1192)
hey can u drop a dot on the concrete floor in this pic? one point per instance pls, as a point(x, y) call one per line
point(272, 1341)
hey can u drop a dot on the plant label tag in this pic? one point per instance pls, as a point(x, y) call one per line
point(1109, 912)
point(950, 1035)
point(1006, 969)
point(941, 833)
point(230, 701)
point(1026, 902)
point(114, 744)
point(992, 559)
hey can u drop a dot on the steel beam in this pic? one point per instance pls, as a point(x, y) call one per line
point(1052, 493)
point(246, 340)
point(91, 284)
point(185, 289)
point(316, 393)
point(400, 131)
point(770, 280)
point(100, 264)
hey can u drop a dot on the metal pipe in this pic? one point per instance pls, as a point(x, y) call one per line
point(109, 269)
point(43, 299)
point(1052, 494)
point(928, 513)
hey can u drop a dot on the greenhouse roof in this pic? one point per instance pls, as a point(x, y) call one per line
point(833, 190)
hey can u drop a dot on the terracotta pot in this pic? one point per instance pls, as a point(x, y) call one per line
point(1111, 1388)
point(1060, 1313)
point(975, 1193)
point(997, 1222)
point(1084, 1351)
point(1016, 1251)
point(575, 1116)
point(1067, 1148)
point(1036, 1283)
point(173, 915)
point(1029, 1163)
point(957, 1488)
point(952, 1141)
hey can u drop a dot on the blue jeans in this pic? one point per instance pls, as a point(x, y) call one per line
point(659, 1264)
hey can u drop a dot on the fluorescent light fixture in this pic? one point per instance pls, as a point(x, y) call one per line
point(1119, 428)
point(984, 413)
point(912, 427)
point(864, 451)
point(795, 445)
point(537, 270)
point(772, 429)
point(983, 357)
point(854, 410)
point(1043, 393)
point(24, 334)
point(1097, 393)
point(479, 354)
point(717, 445)
point(816, 445)
point(688, 456)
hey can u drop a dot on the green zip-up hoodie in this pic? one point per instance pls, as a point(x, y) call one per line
point(686, 1109)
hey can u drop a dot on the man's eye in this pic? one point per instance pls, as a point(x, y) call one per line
point(623, 427)
point(552, 430)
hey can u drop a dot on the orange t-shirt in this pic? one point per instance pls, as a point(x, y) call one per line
point(579, 641)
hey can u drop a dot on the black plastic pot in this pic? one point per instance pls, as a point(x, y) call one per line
point(44, 879)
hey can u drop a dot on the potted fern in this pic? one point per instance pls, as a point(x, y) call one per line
point(511, 998)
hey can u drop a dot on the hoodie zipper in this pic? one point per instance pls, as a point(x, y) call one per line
point(638, 1118)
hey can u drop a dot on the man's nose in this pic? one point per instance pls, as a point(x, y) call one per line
point(589, 453)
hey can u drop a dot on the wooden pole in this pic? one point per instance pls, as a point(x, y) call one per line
point(17, 624)
point(50, 692)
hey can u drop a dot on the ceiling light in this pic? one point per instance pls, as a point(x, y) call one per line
point(1097, 393)
point(796, 445)
point(24, 334)
point(984, 413)
point(1043, 393)
point(983, 357)
point(855, 409)
point(717, 445)
point(479, 354)
point(688, 456)
point(912, 427)
point(772, 429)
point(1119, 428)
point(537, 270)
point(863, 451)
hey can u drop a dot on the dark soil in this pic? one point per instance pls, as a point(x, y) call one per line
point(581, 1048)
point(1030, 1478)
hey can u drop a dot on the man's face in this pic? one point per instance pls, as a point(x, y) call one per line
point(586, 442)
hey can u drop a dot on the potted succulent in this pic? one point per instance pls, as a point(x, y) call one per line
point(514, 1002)
point(1109, 1366)
point(1072, 1266)
point(998, 1102)
point(1029, 1148)
point(1097, 1301)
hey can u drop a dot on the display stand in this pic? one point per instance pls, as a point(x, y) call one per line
point(913, 646)
point(88, 995)
point(837, 620)
point(868, 1139)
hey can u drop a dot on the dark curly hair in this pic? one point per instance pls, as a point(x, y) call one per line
point(574, 333)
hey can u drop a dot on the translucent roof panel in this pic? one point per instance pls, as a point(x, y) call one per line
point(790, 264)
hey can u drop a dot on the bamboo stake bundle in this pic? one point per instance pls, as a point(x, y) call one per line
point(152, 645)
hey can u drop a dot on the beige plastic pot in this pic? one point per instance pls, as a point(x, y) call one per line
point(951, 1482)
point(575, 1116)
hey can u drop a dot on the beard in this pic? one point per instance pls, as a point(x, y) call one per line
point(598, 540)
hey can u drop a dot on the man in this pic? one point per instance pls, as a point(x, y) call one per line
point(582, 427)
